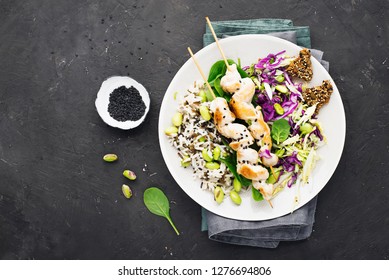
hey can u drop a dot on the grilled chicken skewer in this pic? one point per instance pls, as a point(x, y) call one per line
point(242, 91)
point(242, 138)
point(247, 158)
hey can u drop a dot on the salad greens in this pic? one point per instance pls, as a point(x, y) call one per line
point(218, 70)
point(257, 196)
point(294, 128)
point(280, 130)
point(231, 162)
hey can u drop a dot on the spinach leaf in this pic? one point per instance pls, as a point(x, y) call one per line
point(280, 130)
point(158, 204)
point(219, 68)
point(257, 196)
point(220, 91)
point(242, 73)
point(231, 162)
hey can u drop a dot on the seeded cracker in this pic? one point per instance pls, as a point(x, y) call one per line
point(301, 67)
point(319, 95)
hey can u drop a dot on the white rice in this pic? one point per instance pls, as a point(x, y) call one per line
point(186, 141)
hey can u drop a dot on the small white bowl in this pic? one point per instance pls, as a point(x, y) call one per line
point(102, 100)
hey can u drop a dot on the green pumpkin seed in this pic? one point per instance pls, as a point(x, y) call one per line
point(281, 88)
point(280, 78)
point(235, 197)
point(216, 153)
point(306, 128)
point(203, 96)
point(278, 108)
point(185, 162)
point(218, 194)
point(110, 157)
point(212, 165)
point(126, 191)
point(129, 174)
point(204, 112)
point(171, 130)
point(237, 185)
point(177, 119)
point(206, 155)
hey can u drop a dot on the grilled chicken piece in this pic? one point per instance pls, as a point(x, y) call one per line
point(265, 189)
point(230, 82)
point(224, 118)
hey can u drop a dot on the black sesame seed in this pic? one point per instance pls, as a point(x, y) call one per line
point(126, 104)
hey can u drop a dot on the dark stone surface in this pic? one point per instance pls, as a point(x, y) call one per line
point(58, 199)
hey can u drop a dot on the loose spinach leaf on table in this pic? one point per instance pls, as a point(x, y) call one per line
point(158, 204)
point(280, 130)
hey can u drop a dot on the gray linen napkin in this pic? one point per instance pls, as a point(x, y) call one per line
point(267, 234)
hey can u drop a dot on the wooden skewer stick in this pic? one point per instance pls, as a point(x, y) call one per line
point(272, 172)
point(274, 175)
point(217, 43)
point(201, 72)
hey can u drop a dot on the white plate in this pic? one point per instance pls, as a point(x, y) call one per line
point(249, 48)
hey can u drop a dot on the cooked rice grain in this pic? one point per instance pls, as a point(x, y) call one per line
point(196, 134)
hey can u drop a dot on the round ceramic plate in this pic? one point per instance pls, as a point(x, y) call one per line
point(248, 48)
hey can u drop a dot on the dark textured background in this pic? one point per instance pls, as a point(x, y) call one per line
point(58, 199)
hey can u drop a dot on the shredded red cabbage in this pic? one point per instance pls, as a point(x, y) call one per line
point(292, 180)
point(271, 62)
point(295, 128)
point(316, 132)
point(267, 106)
point(279, 175)
point(289, 105)
point(288, 163)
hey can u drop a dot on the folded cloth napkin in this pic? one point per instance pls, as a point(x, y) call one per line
point(297, 225)
point(257, 26)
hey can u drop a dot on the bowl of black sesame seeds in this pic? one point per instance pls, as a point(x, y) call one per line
point(122, 102)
